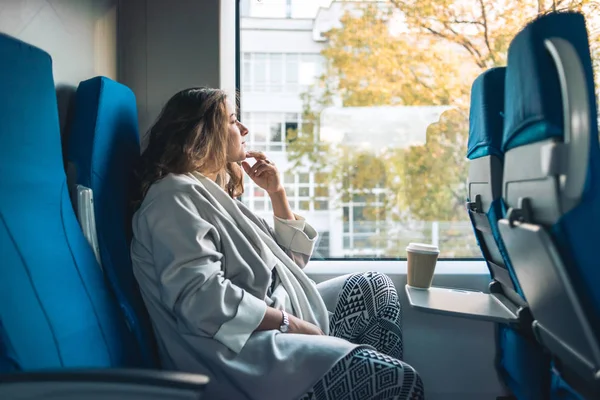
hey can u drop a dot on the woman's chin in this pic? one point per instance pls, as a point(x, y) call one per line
point(238, 158)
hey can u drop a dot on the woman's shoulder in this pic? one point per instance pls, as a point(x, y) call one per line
point(171, 183)
point(170, 187)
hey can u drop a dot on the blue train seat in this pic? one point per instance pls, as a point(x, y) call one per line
point(55, 308)
point(551, 187)
point(521, 363)
point(103, 147)
point(485, 176)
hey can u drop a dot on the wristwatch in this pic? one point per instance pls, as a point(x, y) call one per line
point(285, 324)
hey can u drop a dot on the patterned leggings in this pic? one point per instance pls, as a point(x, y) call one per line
point(368, 312)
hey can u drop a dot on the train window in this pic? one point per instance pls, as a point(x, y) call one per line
point(365, 105)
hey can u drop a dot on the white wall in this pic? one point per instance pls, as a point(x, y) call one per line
point(80, 35)
point(167, 46)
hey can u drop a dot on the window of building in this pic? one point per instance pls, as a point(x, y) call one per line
point(322, 246)
point(291, 73)
point(276, 72)
point(260, 71)
point(279, 72)
point(364, 222)
point(303, 192)
point(270, 131)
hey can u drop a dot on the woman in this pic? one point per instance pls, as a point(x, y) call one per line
point(226, 293)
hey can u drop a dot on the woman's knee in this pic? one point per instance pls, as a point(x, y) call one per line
point(385, 302)
point(400, 377)
point(380, 284)
point(412, 382)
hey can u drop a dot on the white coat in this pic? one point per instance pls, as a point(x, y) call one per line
point(204, 263)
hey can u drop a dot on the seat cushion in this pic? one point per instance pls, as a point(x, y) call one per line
point(103, 146)
point(561, 390)
point(55, 309)
point(7, 354)
point(522, 364)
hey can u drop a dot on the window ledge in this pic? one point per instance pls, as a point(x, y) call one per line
point(443, 267)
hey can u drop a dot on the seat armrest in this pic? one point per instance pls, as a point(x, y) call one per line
point(102, 384)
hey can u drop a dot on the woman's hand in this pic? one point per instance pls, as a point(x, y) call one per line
point(273, 319)
point(298, 325)
point(264, 173)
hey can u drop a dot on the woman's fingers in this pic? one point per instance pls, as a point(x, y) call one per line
point(258, 168)
point(246, 167)
point(256, 165)
point(259, 155)
point(262, 168)
point(262, 164)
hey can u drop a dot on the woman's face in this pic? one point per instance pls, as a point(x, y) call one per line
point(236, 147)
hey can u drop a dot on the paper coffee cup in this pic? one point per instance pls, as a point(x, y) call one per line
point(421, 264)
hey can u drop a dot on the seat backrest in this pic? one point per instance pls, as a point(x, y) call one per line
point(486, 162)
point(103, 147)
point(552, 188)
point(521, 363)
point(55, 309)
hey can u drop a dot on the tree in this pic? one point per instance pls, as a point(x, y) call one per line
point(434, 183)
point(437, 49)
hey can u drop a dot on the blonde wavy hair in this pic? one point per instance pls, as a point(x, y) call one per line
point(190, 135)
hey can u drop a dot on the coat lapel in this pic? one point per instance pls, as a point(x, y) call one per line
point(231, 211)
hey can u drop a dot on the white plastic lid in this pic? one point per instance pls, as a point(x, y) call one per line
point(423, 248)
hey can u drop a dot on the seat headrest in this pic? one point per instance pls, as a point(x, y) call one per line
point(486, 119)
point(30, 147)
point(105, 138)
point(533, 101)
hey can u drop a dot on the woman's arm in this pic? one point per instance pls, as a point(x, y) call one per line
point(274, 318)
point(291, 232)
point(281, 206)
point(190, 277)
